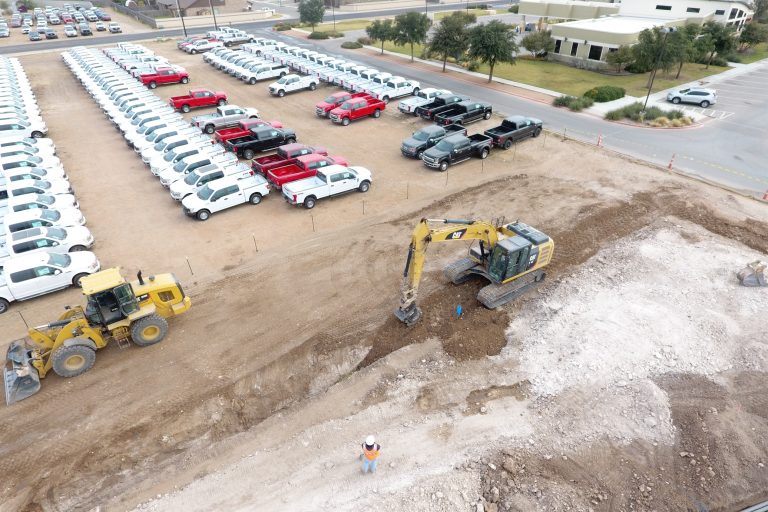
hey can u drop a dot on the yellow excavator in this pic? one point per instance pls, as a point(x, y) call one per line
point(116, 310)
point(512, 257)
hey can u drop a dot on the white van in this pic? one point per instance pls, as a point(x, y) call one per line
point(24, 277)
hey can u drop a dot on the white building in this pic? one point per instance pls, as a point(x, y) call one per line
point(601, 27)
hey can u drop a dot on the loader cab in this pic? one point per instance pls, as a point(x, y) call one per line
point(110, 298)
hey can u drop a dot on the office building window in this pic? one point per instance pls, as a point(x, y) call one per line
point(663, 7)
point(574, 49)
point(720, 12)
point(693, 9)
point(595, 52)
point(558, 44)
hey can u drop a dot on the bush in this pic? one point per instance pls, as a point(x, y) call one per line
point(633, 67)
point(473, 65)
point(333, 34)
point(654, 116)
point(733, 58)
point(319, 35)
point(575, 103)
point(605, 93)
point(484, 7)
point(351, 45)
point(716, 61)
point(280, 27)
point(365, 41)
point(514, 9)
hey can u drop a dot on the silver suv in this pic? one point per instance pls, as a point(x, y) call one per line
point(696, 95)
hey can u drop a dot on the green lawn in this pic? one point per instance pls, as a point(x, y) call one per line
point(573, 81)
point(760, 52)
point(477, 12)
point(341, 26)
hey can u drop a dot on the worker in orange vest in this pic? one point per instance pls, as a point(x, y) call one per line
point(371, 452)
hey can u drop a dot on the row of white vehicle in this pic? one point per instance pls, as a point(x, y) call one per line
point(348, 75)
point(173, 149)
point(43, 240)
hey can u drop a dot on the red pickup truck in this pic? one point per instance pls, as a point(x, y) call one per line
point(164, 76)
point(198, 98)
point(285, 156)
point(302, 167)
point(243, 129)
point(323, 108)
point(356, 108)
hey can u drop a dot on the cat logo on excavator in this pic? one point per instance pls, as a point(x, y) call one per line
point(115, 310)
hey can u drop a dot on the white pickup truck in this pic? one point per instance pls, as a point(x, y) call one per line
point(422, 97)
point(193, 181)
point(226, 116)
point(257, 72)
point(225, 193)
point(331, 181)
point(291, 83)
point(395, 87)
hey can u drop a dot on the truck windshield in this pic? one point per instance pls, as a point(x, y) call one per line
point(421, 135)
point(51, 215)
point(57, 233)
point(282, 80)
point(59, 260)
point(180, 166)
point(444, 145)
point(330, 99)
point(45, 199)
point(205, 193)
point(322, 176)
point(346, 105)
point(191, 178)
point(169, 156)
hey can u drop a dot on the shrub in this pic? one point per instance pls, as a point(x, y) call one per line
point(473, 65)
point(334, 34)
point(563, 101)
point(514, 9)
point(318, 35)
point(615, 115)
point(366, 41)
point(654, 116)
point(581, 103)
point(717, 60)
point(280, 27)
point(351, 45)
point(605, 93)
point(733, 58)
point(484, 7)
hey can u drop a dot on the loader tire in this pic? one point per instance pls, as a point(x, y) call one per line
point(72, 361)
point(149, 330)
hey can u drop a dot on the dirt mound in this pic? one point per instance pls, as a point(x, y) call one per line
point(715, 464)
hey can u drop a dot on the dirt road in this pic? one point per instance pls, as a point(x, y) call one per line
point(290, 353)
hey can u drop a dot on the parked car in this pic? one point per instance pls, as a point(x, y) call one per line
point(421, 140)
point(263, 71)
point(513, 129)
point(114, 28)
point(696, 95)
point(292, 83)
point(100, 26)
point(357, 108)
point(323, 108)
point(202, 45)
point(218, 195)
point(198, 98)
point(24, 277)
point(464, 113)
point(331, 181)
point(260, 139)
point(51, 240)
point(164, 75)
point(34, 35)
point(195, 180)
point(70, 31)
point(28, 219)
point(85, 30)
point(394, 87)
point(455, 149)
point(439, 104)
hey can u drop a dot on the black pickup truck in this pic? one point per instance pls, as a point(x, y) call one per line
point(456, 148)
point(262, 138)
point(441, 103)
point(427, 137)
point(464, 112)
point(513, 129)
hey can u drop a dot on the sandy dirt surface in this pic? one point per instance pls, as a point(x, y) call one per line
point(633, 379)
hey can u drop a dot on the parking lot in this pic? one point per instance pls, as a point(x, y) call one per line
point(288, 302)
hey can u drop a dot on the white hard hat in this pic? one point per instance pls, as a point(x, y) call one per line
point(370, 440)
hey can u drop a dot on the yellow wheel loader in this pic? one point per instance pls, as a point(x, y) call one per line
point(512, 257)
point(116, 310)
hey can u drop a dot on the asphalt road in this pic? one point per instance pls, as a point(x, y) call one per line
point(730, 151)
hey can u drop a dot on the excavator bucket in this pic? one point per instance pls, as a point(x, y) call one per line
point(20, 376)
point(754, 274)
point(409, 315)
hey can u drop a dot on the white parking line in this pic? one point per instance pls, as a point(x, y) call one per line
point(709, 112)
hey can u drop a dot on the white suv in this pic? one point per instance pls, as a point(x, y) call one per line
point(696, 95)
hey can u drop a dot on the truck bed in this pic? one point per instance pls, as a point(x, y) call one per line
point(279, 176)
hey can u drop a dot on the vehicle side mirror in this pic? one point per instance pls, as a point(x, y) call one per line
point(56, 272)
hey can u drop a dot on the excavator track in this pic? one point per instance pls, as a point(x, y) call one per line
point(495, 295)
point(457, 272)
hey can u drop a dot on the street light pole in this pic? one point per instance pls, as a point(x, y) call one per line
point(210, 2)
point(183, 25)
point(425, 8)
point(666, 30)
point(333, 12)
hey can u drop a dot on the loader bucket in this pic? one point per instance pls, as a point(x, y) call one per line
point(20, 377)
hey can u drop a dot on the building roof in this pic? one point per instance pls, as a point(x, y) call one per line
point(617, 24)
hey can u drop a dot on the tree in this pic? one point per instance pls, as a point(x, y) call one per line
point(761, 9)
point(381, 31)
point(539, 43)
point(752, 35)
point(451, 37)
point(620, 58)
point(492, 43)
point(682, 47)
point(722, 39)
point(704, 44)
point(411, 28)
point(651, 52)
point(312, 12)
